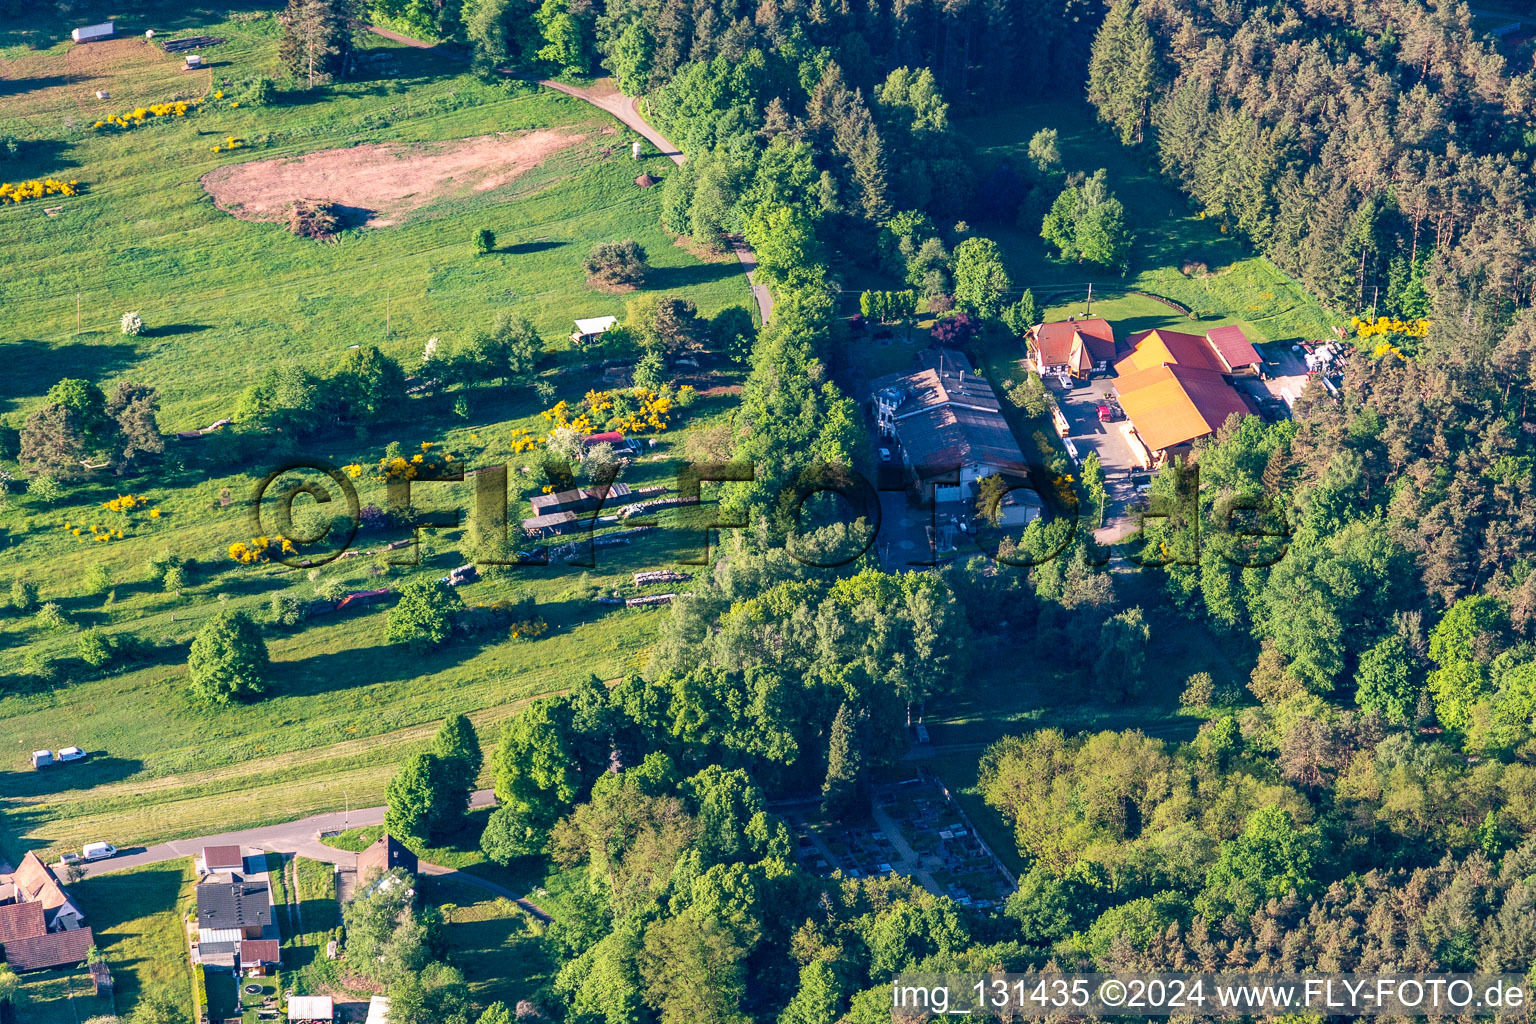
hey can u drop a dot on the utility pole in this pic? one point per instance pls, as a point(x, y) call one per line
point(1090, 298)
point(1375, 294)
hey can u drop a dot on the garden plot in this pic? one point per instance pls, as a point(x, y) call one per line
point(382, 182)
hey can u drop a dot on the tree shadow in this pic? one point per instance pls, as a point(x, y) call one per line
point(32, 366)
point(524, 248)
point(668, 278)
point(16, 86)
point(172, 330)
point(96, 770)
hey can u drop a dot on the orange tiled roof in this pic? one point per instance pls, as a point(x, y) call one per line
point(1171, 404)
point(1154, 348)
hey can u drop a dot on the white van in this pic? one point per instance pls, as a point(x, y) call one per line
point(42, 758)
point(98, 851)
point(71, 754)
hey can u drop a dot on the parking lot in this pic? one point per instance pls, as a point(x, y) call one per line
point(1080, 406)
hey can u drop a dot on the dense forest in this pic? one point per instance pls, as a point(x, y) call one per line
point(1363, 802)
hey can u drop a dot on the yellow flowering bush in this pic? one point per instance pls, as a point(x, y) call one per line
point(142, 115)
point(398, 467)
point(522, 441)
point(125, 503)
point(261, 549)
point(637, 410)
point(1384, 325)
point(528, 629)
point(229, 144)
point(21, 191)
point(95, 532)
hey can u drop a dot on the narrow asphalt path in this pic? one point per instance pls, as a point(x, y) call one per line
point(604, 96)
point(302, 838)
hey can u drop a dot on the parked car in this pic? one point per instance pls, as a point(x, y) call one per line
point(70, 858)
point(885, 455)
point(42, 758)
point(71, 754)
point(98, 851)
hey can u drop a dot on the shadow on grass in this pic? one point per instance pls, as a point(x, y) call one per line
point(524, 248)
point(173, 330)
point(16, 86)
point(98, 770)
point(32, 366)
point(668, 278)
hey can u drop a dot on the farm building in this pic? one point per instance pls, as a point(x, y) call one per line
point(1072, 348)
point(1174, 389)
point(578, 499)
point(383, 856)
point(1235, 351)
point(551, 525)
point(101, 979)
point(591, 328)
point(40, 926)
point(949, 425)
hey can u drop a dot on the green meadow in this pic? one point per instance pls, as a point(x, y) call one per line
point(223, 300)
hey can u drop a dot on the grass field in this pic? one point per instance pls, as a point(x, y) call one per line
point(137, 918)
point(1237, 286)
point(493, 941)
point(224, 299)
point(59, 997)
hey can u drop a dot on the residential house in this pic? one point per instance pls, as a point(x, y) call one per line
point(1174, 389)
point(384, 856)
point(591, 328)
point(949, 425)
point(40, 926)
point(1072, 348)
point(236, 926)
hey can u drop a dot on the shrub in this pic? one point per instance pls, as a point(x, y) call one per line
point(174, 579)
point(51, 617)
point(45, 490)
point(616, 264)
point(133, 324)
point(314, 218)
point(23, 595)
point(98, 579)
point(285, 610)
point(484, 241)
point(261, 92)
point(1199, 691)
point(41, 667)
point(94, 648)
point(10, 147)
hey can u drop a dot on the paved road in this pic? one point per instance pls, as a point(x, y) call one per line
point(302, 837)
point(604, 96)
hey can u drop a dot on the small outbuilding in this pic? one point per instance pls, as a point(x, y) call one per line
point(312, 1009)
point(88, 33)
point(591, 328)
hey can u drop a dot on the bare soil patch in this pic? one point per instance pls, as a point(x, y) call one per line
point(380, 183)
